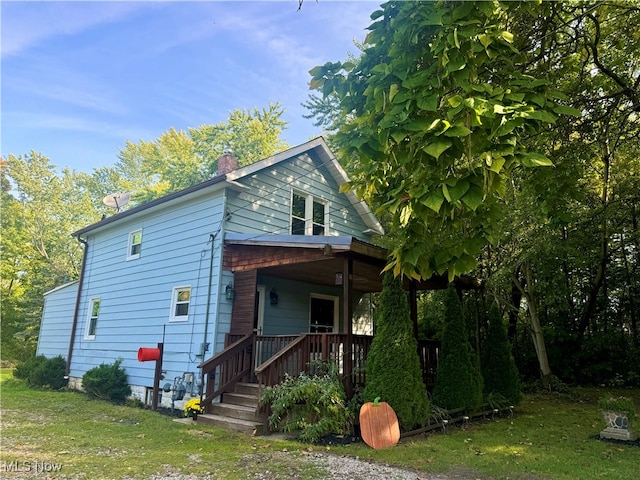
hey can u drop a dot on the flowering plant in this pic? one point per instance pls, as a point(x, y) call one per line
point(618, 404)
point(192, 407)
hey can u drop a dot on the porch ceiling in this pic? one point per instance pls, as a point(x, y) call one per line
point(315, 260)
point(318, 259)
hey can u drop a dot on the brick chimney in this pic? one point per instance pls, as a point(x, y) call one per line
point(227, 163)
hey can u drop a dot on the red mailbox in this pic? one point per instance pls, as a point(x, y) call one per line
point(148, 354)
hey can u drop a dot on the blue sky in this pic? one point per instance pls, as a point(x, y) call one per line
point(79, 79)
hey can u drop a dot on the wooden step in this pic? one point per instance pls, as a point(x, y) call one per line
point(234, 411)
point(245, 426)
point(248, 388)
point(246, 399)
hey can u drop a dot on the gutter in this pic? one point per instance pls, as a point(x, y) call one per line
point(77, 308)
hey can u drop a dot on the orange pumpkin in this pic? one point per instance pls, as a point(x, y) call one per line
point(379, 424)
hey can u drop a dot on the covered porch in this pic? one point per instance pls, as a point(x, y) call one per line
point(276, 331)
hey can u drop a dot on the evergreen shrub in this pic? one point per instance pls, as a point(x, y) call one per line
point(499, 369)
point(393, 370)
point(42, 372)
point(107, 382)
point(458, 378)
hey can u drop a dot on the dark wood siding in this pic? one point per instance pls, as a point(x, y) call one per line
point(244, 304)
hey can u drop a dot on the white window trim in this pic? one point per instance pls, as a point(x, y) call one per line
point(308, 212)
point(92, 302)
point(174, 301)
point(130, 244)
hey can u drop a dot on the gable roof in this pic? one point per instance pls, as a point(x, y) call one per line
point(317, 147)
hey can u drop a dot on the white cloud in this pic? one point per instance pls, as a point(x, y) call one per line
point(26, 24)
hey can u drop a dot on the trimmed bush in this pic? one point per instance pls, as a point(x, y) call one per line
point(314, 404)
point(498, 366)
point(107, 382)
point(393, 366)
point(458, 378)
point(42, 372)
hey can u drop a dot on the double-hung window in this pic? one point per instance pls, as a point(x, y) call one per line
point(180, 304)
point(135, 245)
point(92, 319)
point(308, 214)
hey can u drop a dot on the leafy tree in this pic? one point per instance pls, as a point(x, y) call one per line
point(393, 365)
point(499, 370)
point(38, 252)
point(439, 105)
point(179, 159)
point(458, 378)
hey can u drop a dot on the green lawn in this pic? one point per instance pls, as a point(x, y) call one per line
point(5, 373)
point(550, 437)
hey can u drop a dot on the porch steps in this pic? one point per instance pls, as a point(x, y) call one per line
point(238, 410)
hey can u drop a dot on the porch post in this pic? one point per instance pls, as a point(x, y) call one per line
point(348, 319)
point(413, 306)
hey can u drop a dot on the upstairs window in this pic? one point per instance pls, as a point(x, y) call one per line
point(92, 319)
point(135, 245)
point(180, 304)
point(308, 215)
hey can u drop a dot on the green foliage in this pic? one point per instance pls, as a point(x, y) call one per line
point(315, 404)
point(437, 106)
point(458, 378)
point(42, 372)
point(499, 370)
point(107, 382)
point(179, 159)
point(431, 308)
point(617, 404)
point(393, 366)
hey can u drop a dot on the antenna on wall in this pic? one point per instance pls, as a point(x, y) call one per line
point(116, 200)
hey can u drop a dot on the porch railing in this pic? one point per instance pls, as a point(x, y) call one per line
point(228, 367)
point(299, 355)
point(268, 358)
point(428, 351)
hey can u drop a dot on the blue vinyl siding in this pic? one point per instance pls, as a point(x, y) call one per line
point(135, 295)
point(291, 315)
point(57, 320)
point(266, 206)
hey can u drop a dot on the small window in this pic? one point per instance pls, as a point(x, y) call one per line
point(92, 319)
point(135, 245)
point(180, 304)
point(308, 215)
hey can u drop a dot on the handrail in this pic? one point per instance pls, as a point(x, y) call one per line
point(259, 371)
point(296, 356)
point(226, 368)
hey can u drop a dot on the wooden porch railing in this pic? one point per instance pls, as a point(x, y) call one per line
point(428, 351)
point(228, 367)
point(299, 354)
point(267, 358)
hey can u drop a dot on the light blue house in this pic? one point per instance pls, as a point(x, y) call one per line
point(239, 278)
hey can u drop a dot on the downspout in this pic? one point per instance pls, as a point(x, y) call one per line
point(77, 308)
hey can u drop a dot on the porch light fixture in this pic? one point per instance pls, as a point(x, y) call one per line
point(229, 292)
point(273, 296)
point(339, 279)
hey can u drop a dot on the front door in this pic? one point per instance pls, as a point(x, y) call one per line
point(324, 314)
